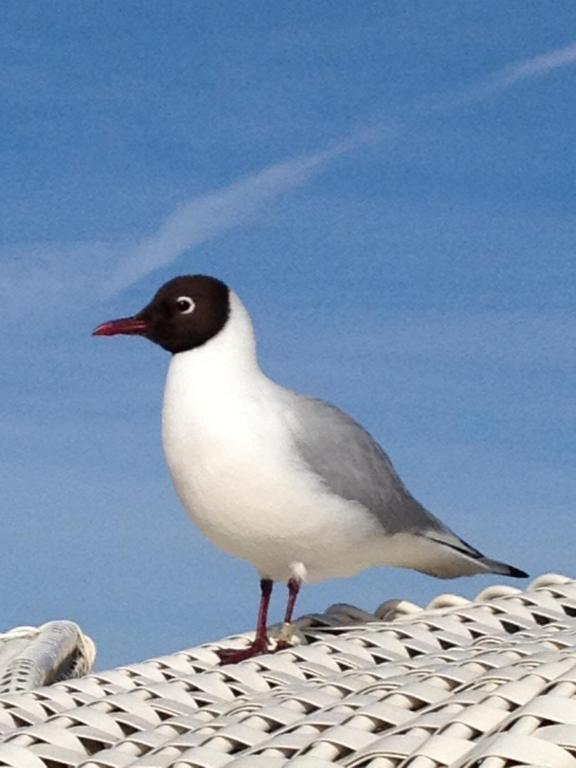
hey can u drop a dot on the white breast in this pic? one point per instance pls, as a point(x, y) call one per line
point(233, 464)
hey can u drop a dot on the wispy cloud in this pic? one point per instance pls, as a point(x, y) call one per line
point(103, 268)
point(205, 217)
point(95, 270)
point(535, 67)
point(513, 74)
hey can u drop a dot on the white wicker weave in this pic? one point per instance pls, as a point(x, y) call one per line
point(488, 683)
point(35, 656)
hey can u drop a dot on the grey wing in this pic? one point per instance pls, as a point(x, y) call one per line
point(352, 464)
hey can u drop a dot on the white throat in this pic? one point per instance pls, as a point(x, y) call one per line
point(227, 359)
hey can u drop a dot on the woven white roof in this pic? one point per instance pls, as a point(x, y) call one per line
point(488, 683)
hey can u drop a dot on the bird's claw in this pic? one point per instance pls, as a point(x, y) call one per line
point(235, 655)
point(258, 647)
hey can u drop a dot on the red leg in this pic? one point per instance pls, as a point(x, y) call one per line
point(293, 589)
point(260, 642)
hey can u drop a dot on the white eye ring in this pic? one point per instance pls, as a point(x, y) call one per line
point(185, 305)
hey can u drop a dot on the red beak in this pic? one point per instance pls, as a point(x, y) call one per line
point(129, 326)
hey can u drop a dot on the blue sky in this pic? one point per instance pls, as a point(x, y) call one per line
point(390, 188)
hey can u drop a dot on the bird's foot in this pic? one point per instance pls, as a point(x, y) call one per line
point(284, 636)
point(234, 655)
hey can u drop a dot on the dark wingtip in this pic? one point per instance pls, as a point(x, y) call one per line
point(516, 573)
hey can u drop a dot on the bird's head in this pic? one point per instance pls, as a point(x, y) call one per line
point(184, 314)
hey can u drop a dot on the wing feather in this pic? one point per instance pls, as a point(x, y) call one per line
point(352, 464)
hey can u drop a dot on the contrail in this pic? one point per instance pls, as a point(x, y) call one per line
point(209, 215)
point(534, 67)
point(101, 269)
point(205, 217)
point(509, 76)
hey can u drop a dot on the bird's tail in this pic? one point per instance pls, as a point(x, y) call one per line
point(495, 566)
point(455, 557)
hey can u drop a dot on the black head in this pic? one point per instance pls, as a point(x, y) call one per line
point(186, 312)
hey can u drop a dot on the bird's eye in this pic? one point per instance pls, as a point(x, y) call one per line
point(185, 305)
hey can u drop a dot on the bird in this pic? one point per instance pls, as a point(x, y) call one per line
point(285, 481)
